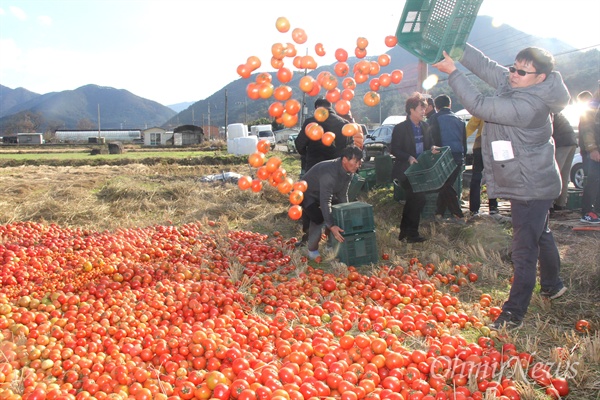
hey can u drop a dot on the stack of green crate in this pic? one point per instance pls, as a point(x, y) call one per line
point(360, 245)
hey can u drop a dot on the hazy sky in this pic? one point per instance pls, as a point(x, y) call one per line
point(174, 51)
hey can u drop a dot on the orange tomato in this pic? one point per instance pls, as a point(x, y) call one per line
point(350, 129)
point(282, 24)
point(314, 131)
point(244, 71)
point(263, 146)
point(252, 91)
point(276, 62)
point(329, 82)
point(347, 94)
point(256, 185)
point(296, 196)
point(278, 51)
point(295, 212)
point(273, 163)
point(328, 138)
point(284, 75)
point(319, 49)
point(308, 62)
point(342, 107)
point(374, 68)
point(285, 186)
point(385, 79)
point(362, 43)
point(301, 186)
point(397, 76)
point(315, 90)
point(360, 77)
point(374, 84)
point(391, 40)
point(384, 60)
point(306, 83)
point(341, 55)
point(289, 120)
point(299, 35)
point(290, 50)
point(333, 95)
point(360, 53)
point(282, 93)
point(363, 66)
point(349, 83)
point(245, 182)
point(292, 106)
point(262, 173)
point(321, 114)
point(256, 159)
point(253, 62)
point(341, 68)
point(265, 90)
point(276, 108)
point(263, 77)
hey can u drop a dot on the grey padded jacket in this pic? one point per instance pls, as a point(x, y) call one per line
point(518, 115)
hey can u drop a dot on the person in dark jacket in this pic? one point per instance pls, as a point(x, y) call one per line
point(448, 130)
point(565, 141)
point(475, 125)
point(518, 157)
point(409, 139)
point(429, 110)
point(328, 180)
point(314, 150)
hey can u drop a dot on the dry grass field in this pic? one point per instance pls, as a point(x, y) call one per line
point(108, 197)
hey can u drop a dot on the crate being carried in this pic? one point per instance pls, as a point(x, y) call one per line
point(431, 171)
point(428, 27)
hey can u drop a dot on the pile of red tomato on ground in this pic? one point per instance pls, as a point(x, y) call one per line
point(199, 312)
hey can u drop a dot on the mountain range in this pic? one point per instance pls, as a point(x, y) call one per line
point(24, 111)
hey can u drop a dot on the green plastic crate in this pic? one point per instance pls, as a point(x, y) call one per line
point(370, 177)
point(355, 217)
point(431, 170)
point(428, 27)
point(574, 199)
point(356, 185)
point(356, 250)
point(431, 198)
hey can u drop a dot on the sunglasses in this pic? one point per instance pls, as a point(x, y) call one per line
point(521, 72)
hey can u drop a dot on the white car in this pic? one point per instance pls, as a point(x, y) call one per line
point(577, 174)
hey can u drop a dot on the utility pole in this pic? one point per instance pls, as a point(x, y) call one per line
point(209, 120)
point(422, 75)
point(98, 122)
point(226, 109)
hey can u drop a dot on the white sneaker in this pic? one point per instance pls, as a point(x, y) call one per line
point(313, 254)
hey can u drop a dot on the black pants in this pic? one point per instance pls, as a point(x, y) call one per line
point(447, 197)
point(475, 187)
point(411, 213)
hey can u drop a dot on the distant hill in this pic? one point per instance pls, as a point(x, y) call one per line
point(79, 108)
point(10, 98)
point(180, 106)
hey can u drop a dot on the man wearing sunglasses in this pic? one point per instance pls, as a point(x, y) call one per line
point(519, 163)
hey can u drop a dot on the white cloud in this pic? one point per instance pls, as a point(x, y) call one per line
point(18, 13)
point(2, 12)
point(11, 55)
point(45, 20)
